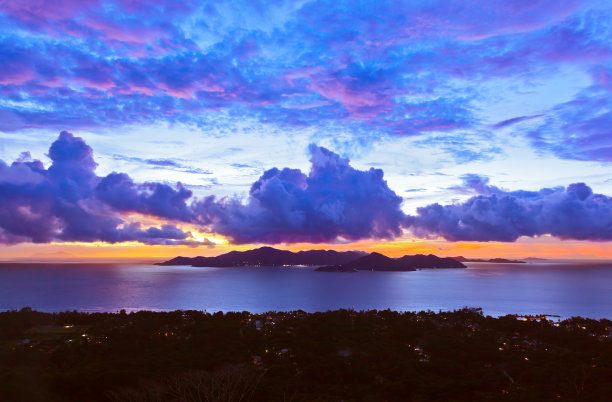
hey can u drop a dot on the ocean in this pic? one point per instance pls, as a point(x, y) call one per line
point(563, 288)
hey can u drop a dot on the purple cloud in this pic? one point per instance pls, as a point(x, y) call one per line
point(497, 215)
point(69, 202)
point(120, 192)
point(333, 201)
point(328, 63)
point(580, 129)
point(116, 22)
point(515, 120)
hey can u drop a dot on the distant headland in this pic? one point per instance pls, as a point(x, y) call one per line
point(326, 260)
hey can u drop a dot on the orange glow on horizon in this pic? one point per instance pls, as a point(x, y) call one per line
point(543, 247)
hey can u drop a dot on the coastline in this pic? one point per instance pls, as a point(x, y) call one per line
point(341, 354)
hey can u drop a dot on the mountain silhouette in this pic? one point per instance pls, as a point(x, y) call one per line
point(327, 260)
point(270, 257)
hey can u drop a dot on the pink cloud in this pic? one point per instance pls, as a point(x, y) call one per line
point(17, 77)
point(117, 30)
point(41, 10)
point(360, 103)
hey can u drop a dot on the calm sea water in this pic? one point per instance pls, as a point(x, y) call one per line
point(562, 288)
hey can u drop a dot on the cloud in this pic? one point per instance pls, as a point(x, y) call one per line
point(334, 200)
point(166, 164)
point(120, 192)
point(166, 235)
point(69, 202)
point(580, 129)
point(515, 120)
point(494, 214)
point(474, 183)
point(463, 148)
point(325, 64)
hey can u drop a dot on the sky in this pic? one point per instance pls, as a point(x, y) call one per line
point(145, 130)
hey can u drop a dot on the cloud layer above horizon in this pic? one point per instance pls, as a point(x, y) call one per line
point(494, 214)
point(68, 202)
point(372, 69)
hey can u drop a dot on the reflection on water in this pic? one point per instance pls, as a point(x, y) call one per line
point(566, 289)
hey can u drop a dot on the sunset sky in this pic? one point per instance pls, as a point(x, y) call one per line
point(145, 130)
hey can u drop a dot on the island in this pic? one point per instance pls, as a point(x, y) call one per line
point(269, 257)
point(491, 260)
point(380, 262)
point(327, 260)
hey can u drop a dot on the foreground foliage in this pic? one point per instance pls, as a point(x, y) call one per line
point(297, 356)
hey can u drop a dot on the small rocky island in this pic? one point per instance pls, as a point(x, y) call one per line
point(326, 260)
point(491, 260)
